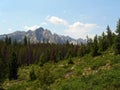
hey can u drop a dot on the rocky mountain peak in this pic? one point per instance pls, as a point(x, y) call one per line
point(41, 34)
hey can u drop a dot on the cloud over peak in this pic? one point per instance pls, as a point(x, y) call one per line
point(57, 20)
point(75, 30)
point(80, 25)
point(31, 27)
point(79, 29)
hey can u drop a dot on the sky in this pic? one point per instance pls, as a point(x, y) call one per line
point(74, 18)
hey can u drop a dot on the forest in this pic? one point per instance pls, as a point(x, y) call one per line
point(94, 65)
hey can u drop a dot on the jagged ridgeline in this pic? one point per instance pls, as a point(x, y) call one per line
point(41, 35)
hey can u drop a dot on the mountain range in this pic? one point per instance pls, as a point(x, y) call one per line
point(41, 35)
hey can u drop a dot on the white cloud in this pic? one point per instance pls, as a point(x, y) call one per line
point(32, 27)
point(43, 23)
point(57, 20)
point(81, 30)
point(75, 30)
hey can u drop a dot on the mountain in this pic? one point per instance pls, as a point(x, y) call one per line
point(41, 35)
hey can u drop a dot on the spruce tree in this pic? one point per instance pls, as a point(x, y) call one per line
point(15, 43)
point(3, 70)
point(42, 59)
point(7, 40)
point(25, 40)
point(59, 55)
point(103, 45)
point(32, 75)
point(81, 50)
point(109, 36)
point(70, 60)
point(117, 40)
point(95, 47)
point(13, 66)
point(89, 45)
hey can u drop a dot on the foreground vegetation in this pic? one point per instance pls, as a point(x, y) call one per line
point(94, 65)
point(87, 73)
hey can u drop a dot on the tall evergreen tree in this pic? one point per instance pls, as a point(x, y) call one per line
point(109, 36)
point(70, 60)
point(13, 66)
point(103, 42)
point(95, 47)
point(42, 59)
point(25, 40)
point(81, 50)
point(117, 40)
point(59, 56)
point(7, 40)
point(15, 43)
point(89, 45)
point(32, 75)
point(3, 70)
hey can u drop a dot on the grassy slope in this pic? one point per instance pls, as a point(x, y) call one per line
point(87, 73)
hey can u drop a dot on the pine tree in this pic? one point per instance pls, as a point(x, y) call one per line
point(109, 36)
point(103, 42)
point(25, 40)
point(13, 66)
point(32, 75)
point(15, 43)
point(95, 47)
point(53, 55)
point(117, 40)
point(67, 43)
point(89, 45)
point(81, 50)
point(59, 55)
point(7, 40)
point(3, 70)
point(70, 60)
point(42, 59)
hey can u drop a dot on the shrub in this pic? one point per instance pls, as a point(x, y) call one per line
point(32, 75)
point(96, 64)
point(70, 61)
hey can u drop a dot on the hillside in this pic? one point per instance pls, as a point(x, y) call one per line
point(86, 73)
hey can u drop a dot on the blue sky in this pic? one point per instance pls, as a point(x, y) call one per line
point(76, 18)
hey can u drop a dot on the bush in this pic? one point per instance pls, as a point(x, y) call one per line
point(116, 60)
point(98, 63)
point(16, 87)
point(70, 61)
point(46, 78)
point(32, 75)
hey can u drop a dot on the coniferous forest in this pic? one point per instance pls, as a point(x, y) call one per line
point(94, 65)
